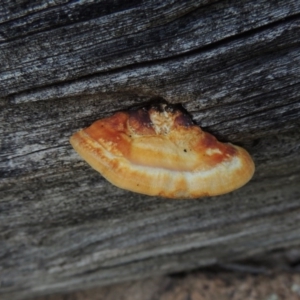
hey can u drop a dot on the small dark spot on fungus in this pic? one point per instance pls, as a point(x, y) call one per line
point(140, 122)
point(140, 116)
point(184, 120)
point(153, 155)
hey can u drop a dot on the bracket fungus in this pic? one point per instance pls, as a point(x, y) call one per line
point(159, 151)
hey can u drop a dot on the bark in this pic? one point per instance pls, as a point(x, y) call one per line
point(234, 65)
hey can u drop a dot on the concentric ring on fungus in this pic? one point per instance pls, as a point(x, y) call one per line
point(160, 151)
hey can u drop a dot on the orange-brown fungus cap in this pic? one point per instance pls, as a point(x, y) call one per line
point(160, 151)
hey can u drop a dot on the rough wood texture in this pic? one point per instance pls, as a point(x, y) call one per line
point(235, 65)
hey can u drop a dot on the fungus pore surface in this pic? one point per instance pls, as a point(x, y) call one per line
point(158, 150)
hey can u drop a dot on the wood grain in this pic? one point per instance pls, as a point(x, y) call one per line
point(235, 66)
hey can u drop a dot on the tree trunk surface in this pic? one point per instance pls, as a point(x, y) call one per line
point(235, 67)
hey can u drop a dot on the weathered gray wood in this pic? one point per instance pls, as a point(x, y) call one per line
point(235, 66)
